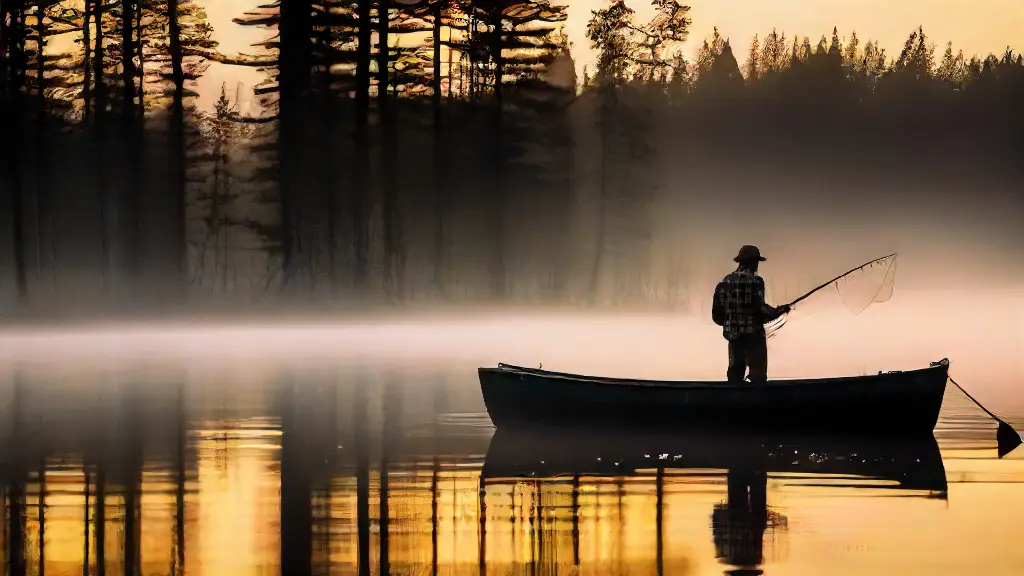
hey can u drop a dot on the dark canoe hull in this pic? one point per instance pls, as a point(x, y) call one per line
point(910, 463)
point(891, 403)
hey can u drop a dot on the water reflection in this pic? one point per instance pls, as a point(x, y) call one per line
point(124, 472)
point(911, 467)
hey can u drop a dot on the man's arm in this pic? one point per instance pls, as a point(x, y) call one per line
point(770, 313)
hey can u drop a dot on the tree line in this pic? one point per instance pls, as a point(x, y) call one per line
point(464, 161)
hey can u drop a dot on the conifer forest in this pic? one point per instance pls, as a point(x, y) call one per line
point(411, 151)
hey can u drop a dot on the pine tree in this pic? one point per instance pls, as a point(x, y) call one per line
point(705, 58)
point(851, 60)
point(723, 76)
point(752, 61)
point(852, 48)
point(682, 78)
point(669, 26)
point(835, 47)
point(609, 33)
point(774, 57)
point(948, 70)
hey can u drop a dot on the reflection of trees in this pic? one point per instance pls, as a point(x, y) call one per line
point(102, 470)
point(550, 465)
point(296, 488)
point(362, 480)
point(15, 478)
point(561, 495)
point(181, 438)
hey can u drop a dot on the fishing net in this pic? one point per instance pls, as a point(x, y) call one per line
point(870, 283)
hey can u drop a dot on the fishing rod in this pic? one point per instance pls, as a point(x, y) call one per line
point(840, 277)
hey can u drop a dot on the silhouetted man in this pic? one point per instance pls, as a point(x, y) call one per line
point(741, 311)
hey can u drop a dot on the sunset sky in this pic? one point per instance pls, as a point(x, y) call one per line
point(976, 26)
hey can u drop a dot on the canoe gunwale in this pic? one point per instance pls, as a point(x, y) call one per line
point(887, 403)
point(705, 385)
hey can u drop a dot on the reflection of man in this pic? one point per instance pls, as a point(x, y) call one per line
point(739, 308)
point(738, 525)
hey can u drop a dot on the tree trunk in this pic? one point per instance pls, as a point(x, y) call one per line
point(215, 203)
point(392, 241)
point(177, 152)
point(14, 44)
point(602, 206)
point(360, 235)
point(128, 54)
point(100, 144)
point(294, 75)
point(141, 107)
point(471, 33)
point(499, 201)
point(329, 165)
point(440, 194)
point(129, 205)
point(40, 152)
point(87, 62)
point(44, 195)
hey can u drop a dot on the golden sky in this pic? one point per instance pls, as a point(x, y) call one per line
point(976, 26)
point(980, 26)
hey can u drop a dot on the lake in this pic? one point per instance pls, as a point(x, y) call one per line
point(256, 450)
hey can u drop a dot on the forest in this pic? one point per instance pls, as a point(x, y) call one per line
point(449, 150)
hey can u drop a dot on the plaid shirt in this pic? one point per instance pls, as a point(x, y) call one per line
point(740, 297)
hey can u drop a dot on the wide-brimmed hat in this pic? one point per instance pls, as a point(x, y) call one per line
point(748, 253)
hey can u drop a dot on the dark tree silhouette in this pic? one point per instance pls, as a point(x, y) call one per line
point(15, 62)
point(177, 138)
point(400, 150)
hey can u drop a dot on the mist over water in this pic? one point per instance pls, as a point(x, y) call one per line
point(822, 337)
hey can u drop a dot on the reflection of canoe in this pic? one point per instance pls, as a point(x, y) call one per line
point(888, 403)
point(912, 463)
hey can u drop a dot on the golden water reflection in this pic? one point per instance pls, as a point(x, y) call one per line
point(654, 522)
point(376, 477)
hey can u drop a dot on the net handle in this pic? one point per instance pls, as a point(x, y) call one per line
point(847, 273)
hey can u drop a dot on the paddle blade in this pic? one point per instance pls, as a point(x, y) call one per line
point(1007, 439)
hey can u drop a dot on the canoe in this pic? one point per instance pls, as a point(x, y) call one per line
point(540, 452)
point(887, 403)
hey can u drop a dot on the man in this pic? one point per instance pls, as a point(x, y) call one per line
point(739, 308)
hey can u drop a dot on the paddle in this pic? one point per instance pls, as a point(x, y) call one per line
point(1007, 439)
point(840, 277)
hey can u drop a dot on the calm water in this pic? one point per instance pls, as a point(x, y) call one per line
point(230, 468)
